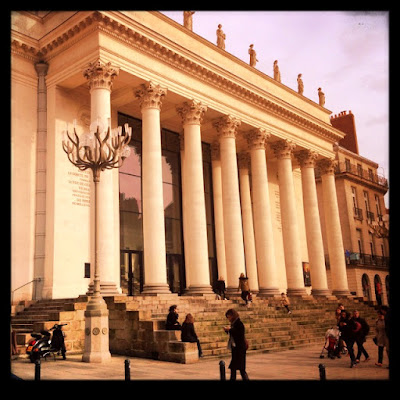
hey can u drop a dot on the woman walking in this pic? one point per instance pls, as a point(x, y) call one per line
point(381, 338)
point(237, 344)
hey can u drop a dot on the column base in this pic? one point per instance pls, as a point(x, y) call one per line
point(106, 289)
point(198, 290)
point(154, 289)
point(97, 349)
point(296, 292)
point(321, 292)
point(268, 292)
point(341, 293)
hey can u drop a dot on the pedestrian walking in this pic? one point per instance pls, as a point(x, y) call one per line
point(221, 288)
point(188, 333)
point(348, 328)
point(285, 302)
point(172, 323)
point(360, 336)
point(381, 339)
point(237, 344)
point(245, 288)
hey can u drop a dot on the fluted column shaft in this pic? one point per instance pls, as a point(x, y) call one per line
point(233, 232)
point(265, 248)
point(333, 228)
point(291, 239)
point(247, 219)
point(218, 209)
point(195, 207)
point(315, 245)
point(155, 275)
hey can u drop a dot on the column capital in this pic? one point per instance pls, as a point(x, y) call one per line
point(283, 148)
point(100, 75)
point(150, 95)
point(307, 158)
point(226, 126)
point(41, 68)
point(243, 160)
point(215, 151)
point(256, 138)
point(327, 166)
point(192, 112)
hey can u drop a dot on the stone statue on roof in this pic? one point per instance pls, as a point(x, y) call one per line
point(253, 58)
point(277, 74)
point(188, 19)
point(300, 85)
point(220, 38)
point(321, 97)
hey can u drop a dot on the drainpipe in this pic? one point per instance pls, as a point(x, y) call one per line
point(41, 144)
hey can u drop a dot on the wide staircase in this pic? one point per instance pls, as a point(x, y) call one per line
point(137, 324)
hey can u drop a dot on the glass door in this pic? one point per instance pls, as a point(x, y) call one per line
point(131, 272)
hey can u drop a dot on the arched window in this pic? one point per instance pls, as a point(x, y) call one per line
point(378, 289)
point(366, 287)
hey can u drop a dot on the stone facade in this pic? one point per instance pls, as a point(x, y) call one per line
point(100, 65)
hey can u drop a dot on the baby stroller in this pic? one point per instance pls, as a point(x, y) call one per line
point(331, 344)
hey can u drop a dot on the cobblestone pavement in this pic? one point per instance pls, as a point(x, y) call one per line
point(298, 364)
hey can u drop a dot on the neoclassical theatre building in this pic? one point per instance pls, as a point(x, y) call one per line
point(220, 179)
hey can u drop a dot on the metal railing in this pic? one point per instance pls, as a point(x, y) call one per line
point(34, 281)
point(363, 259)
point(368, 175)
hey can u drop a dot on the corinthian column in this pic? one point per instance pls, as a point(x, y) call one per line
point(290, 231)
point(307, 160)
point(265, 249)
point(333, 228)
point(247, 219)
point(101, 77)
point(155, 270)
point(195, 219)
point(233, 232)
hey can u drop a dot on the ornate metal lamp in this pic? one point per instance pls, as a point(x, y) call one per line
point(97, 150)
point(381, 228)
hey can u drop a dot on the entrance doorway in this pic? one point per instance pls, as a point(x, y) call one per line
point(175, 273)
point(131, 272)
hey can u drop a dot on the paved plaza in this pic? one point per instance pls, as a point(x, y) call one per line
point(299, 364)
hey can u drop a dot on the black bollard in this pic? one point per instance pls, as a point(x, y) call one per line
point(127, 370)
point(37, 370)
point(222, 370)
point(322, 373)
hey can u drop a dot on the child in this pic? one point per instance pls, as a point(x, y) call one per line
point(285, 302)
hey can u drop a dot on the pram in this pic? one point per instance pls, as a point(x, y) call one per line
point(331, 344)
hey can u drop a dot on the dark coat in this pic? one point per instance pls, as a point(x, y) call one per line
point(188, 333)
point(363, 332)
point(172, 322)
point(347, 327)
point(236, 333)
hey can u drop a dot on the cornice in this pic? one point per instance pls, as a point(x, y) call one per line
point(124, 31)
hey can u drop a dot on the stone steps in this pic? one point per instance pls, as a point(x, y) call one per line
point(137, 323)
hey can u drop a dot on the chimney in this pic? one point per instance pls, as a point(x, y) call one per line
point(344, 121)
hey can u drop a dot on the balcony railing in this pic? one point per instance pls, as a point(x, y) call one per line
point(362, 173)
point(363, 259)
point(358, 213)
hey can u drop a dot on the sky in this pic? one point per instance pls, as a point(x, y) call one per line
point(346, 53)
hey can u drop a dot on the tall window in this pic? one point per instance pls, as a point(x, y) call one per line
point(359, 241)
point(130, 180)
point(130, 190)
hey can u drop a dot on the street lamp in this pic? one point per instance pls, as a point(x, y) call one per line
point(98, 149)
point(381, 228)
